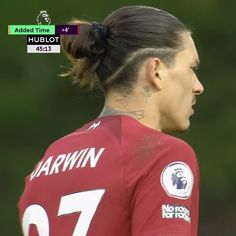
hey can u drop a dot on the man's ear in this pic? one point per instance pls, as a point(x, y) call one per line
point(154, 72)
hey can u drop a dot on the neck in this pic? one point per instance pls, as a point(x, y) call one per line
point(138, 104)
point(140, 115)
point(136, 114)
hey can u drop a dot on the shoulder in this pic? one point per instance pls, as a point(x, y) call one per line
point(177, 145)
point(62, 141)
point(172, 183)
point(142, 137)
point(146, 149)
point(171, 168)
point(177, 169)
point(101, 131)
point(178, 150)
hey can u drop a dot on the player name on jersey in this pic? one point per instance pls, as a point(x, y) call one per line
point(87, 157)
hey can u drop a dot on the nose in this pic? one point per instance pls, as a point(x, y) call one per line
point(198, 88)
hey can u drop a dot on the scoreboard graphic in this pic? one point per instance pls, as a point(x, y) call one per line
point(43, 38)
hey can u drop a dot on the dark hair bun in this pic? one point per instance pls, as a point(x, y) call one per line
point(85, 50)
point(88, 43)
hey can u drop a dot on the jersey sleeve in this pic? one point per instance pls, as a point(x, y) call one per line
point(165, 200)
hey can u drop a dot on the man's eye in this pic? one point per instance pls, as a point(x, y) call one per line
point(194, 68)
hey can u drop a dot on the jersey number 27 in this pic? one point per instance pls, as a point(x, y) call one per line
point(84, 202)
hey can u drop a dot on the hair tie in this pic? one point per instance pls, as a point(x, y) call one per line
point(102, 29)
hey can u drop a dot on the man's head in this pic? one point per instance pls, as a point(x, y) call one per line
point(173, 88)
point(111, 52)
point(139, 46)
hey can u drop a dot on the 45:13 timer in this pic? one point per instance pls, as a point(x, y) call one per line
point(44, 48)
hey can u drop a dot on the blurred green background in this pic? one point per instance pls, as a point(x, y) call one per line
point(37, 107)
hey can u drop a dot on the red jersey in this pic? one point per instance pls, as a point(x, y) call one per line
point(113, 177)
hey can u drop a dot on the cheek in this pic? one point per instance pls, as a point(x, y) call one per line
point(177, 100)
point(178, 97)
point(180, 86)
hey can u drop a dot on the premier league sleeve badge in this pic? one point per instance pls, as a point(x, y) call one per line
point(177, 180)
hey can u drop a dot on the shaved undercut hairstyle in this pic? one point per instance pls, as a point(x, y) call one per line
point(110, 53)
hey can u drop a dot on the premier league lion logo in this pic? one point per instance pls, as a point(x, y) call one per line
point(43, 18)
point(178, 179)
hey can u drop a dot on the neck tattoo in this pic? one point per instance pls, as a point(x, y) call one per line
point(107, 110)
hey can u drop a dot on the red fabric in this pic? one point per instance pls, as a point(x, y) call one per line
point(128, 169)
